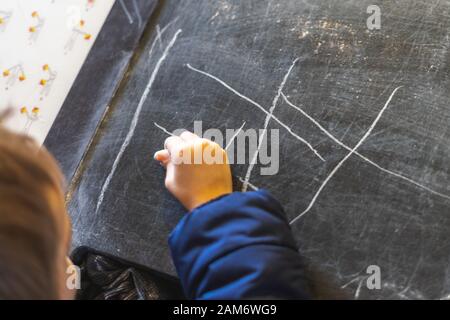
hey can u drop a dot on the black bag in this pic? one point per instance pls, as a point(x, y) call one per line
point(106, 278)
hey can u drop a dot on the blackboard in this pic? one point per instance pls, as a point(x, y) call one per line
point(386, 204)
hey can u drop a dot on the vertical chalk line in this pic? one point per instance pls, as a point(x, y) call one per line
point(125, 9)
point(266, 124)
point(138, 13)
point(159, 34)
point(135, 119)
point(339, 165)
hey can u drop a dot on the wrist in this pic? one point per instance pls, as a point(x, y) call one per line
point(207, 197)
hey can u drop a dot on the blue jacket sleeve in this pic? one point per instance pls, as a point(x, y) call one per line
point(239, 246)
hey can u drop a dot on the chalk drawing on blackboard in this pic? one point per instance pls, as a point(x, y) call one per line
point(395, 174)
point(360, 280)
point(233, 137)
point(266, 124)
point(158, 32)
point(136, 116)
point(5, 17)
point(251, 186)
point(259, 107)
point(128, 13)
point(398, 175)
point(353, 151)
point(159, 35)
point(214, 16)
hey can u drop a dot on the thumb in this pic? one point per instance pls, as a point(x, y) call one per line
point(162, 156)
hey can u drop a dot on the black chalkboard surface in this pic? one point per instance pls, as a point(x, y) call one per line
point(372, 103)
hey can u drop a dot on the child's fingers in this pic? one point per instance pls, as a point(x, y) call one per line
point(162, 156)
point(189, 136)
point(173, 142)
point(169, 181)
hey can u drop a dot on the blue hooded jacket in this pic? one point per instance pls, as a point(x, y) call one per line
point(239, 246)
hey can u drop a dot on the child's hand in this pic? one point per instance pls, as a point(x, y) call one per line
point(192, 182)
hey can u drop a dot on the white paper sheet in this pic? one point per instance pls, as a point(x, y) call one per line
point(43, 44)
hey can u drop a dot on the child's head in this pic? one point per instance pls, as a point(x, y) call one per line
point(34, 226)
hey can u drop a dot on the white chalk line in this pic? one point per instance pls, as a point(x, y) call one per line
point(134, 122)
point(159, 35)
point(339, 165)
point(259, 107)
point(255, 188)
point(396, 174)
point(164, 129)
point(127, 13)
point(227, 146)
point(234, 137)
point(138, 13)
point(266, 124)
